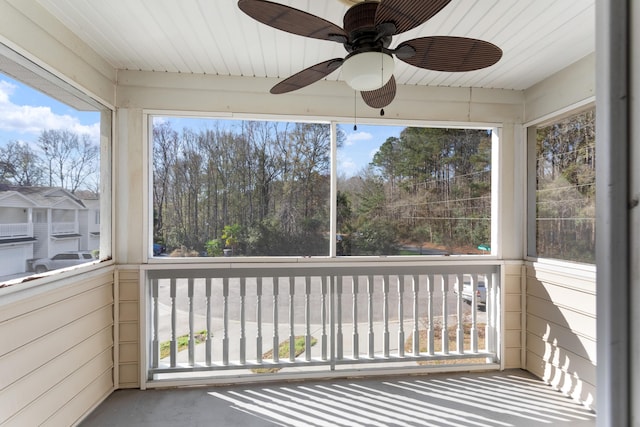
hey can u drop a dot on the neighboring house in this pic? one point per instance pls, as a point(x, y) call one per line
point(17, 238)
point(40, 222)
point(90, 224)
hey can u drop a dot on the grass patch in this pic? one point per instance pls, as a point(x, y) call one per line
point(183, 343)
point(406, 252)
point(437, 343)
point(283, 353)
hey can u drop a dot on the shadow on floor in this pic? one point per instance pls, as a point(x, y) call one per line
point(509, 398)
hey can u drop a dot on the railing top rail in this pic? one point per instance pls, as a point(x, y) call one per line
point(231, 270)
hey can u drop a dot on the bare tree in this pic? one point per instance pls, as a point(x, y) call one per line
point(20, 165)
point(70, 159)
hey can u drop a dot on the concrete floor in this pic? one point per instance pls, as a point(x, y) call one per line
point(500, 399)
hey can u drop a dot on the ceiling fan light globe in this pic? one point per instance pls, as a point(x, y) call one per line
point(368, 70)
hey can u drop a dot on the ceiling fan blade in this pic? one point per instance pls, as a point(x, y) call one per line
point(407, 14)
point(382, 97)
point(307, 76)
point(292, 20)
point(450, 54)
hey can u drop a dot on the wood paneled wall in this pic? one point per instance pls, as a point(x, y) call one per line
point(561, 328)
point(56, 351)
point(128, 325)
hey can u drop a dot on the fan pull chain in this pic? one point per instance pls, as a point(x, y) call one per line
point(355, 115)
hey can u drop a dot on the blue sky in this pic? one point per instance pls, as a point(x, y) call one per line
point(361, 145)
point(25, 113)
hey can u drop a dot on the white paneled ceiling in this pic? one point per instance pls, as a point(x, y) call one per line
point(538, 38)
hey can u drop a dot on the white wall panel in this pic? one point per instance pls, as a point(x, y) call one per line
point(57, 344)
point(561, 327)
point(574, 84)
point(30, 30)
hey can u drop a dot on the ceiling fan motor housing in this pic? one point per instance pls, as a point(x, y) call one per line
point(359, 24)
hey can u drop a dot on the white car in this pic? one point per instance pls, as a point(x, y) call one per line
point(467, 291)
point(62, 260)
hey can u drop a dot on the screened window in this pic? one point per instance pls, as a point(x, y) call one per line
point(240, 188)
point(565, 160)
point(262, 188)
point(414, 191)
point(50, 163)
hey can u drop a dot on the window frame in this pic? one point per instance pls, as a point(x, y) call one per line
point(149, 114)
point(38, 78)
point(530, 137)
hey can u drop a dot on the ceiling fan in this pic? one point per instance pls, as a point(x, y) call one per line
point(368, 29)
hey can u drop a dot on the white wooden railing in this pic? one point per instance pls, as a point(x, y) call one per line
point(226, 317)
point(64, 227)
point(24, 229)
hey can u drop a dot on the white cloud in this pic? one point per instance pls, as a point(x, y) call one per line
point(157, 121)
point(354, 137)
point(347, 167)
point(32, 120)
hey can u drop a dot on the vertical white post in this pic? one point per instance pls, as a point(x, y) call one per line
point(416, 317)
point(356, 349)
point(243, 337)
point(385, 314)
point(445, 314)
point(339, 336)
point(400, 316)
point(431, 329)
point(208, 342)
point(156, 320)
point(192, 342)
point(333, 226)
point(276, 339)
point(173, 348)
point(292, 336)
point(474, 312)
point(225, 321)
point(307, 318)
point(371, 337)
point(460, 314)
point(259, 319)
point(323, 316)
point(492, 301)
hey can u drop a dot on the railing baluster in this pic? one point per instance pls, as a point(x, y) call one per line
point(445, 314)
point(307, 318)
point(323, 316)
point(460, 315)
point(259, 319)
point(385, 315)
point(490, 310)
point(339, 336)
point(243, 333)
point(400, 316)
point(192, 339)
point(332, 321)
point(225, 321)
point(292, 336)
point(415, 281)
point(276, 339)
point(431, 329)
point(173, 346)
point(370, 335)
point(208, 339)
point(155, 361)
point(356, 349)
point(474, 314)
